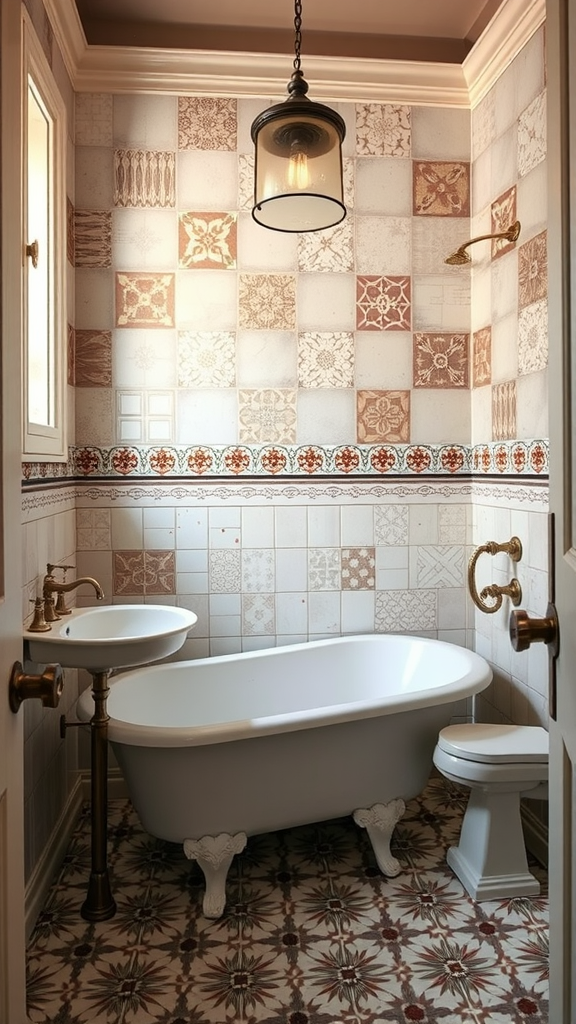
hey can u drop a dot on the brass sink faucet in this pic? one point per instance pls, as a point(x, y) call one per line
point(50, 586)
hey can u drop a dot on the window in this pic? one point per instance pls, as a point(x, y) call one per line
point(44, 261)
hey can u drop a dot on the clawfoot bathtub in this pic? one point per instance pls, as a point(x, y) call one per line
point(222, 748)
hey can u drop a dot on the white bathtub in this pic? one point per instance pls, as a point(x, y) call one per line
point(220, 748)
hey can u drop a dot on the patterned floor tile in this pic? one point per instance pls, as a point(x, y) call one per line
point(312, 933)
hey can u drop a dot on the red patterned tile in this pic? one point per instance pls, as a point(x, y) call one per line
point(206, 122)
point(383, 303)
point(383, 416)
point(144, 300)
point(533, 270)
point(93, 359)
point(207, 241)
point(441, 360)
point(441, 188)
point(145, 573)
point(502, 215)
point(482, 357)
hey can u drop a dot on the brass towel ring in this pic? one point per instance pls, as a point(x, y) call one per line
point(513, 590)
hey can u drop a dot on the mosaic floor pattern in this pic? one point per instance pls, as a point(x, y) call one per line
point(312, 933)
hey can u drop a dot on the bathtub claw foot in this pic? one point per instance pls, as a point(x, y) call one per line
point(214, 855)
point(379, 822)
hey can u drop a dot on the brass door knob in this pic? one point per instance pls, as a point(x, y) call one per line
point(47, 686)
point(525, 631)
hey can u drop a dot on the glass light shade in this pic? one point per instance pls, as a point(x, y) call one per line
point(298, 166)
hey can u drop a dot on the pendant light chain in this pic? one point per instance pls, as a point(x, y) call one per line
point(298, 33)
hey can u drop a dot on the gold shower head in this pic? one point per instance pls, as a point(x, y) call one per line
point(461, 257)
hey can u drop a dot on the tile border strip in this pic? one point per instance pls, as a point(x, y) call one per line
point(500, 458)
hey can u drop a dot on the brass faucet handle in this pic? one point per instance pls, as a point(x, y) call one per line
point(38, 624)
point(49, 610)
point(60, 607)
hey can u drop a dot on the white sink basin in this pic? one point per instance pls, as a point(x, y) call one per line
point(114, 636)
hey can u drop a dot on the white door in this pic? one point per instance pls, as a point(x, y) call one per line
point(12, 962)
point(561, 45)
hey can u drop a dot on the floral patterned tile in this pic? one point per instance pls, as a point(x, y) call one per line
point(93, 529)
point(144, 300)
point(383, 129)
point(504, 411)
point(207, 241)
point(391, 524)
point(225, 571)
point(502, 215)
point(93, 115)
point(327, 251)
point(324, 569)
point(258, 615)
point(267, 415)
point(206, 359)
point(258, 570)
point(93, 352)
point(482, 357)
point(383, 303)
point(144, 178)
point(533, 270)
point(267, 302)
point(533, 337)
point(401, 610)
point(383, 416)
point(532, 135)
point(326, 359)
point(206, 122)
point(441, 360)
point(144, 573)
point(441, 189)
point(245, 181)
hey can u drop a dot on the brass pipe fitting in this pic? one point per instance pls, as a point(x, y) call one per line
point(513, 590)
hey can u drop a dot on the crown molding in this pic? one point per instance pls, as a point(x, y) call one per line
point(510, 29)
point(124, 69)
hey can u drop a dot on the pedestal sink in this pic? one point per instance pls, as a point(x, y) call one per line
point(114, 636)
point(100, 640)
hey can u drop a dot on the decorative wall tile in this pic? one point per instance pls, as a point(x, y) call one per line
point(69, 231)
point(383, 129)
point(146, 573)
point(95, 417)
point(452, 524)
point(441, 360)
point(391, 523)
point(483, 124)
point(207, 241)
point(225, 571)
point(93, 530)
point(144, 178)
point(258, 618)
point(144, 300)
point(327, 251)
point(383, 416)
point(206, 122)
point(383, 244)
point(533, 337)
point(440, 566)
point(326, 359)
point(324, 572)
point(504, 411)
point(206, 359)
point(267, 302)
point(93, 359)
point(533, 270)
point(349, 182)
point(258, 575)
point(358, 568)
point(502, 215)
point(383, 303)
point(267, 415)
point(482, 357)
point(92, 238)
point(147, 416)
point(401, 611)
point(441, 189)
point(93, 113)
point(144, 359)
point(245, 181)
point(532, 135)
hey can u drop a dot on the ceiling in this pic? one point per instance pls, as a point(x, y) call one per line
point(419, 30)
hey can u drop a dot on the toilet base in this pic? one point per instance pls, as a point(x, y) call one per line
point(490, 859)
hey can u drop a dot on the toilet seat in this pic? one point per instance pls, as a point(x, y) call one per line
point(493, 744)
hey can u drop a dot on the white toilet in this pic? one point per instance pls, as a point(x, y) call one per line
point(499, 764)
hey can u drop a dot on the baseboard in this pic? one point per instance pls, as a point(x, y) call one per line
point(535, 834)
point(51, 858)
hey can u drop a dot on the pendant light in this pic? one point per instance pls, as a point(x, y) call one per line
point(298, 163)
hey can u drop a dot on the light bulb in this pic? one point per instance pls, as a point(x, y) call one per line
point(298, 173)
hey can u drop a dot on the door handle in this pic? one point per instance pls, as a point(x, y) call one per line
point(525, 631)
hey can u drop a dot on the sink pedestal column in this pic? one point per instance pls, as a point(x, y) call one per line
point(99, 904)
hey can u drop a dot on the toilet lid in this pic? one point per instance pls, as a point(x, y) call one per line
point(478, 742)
